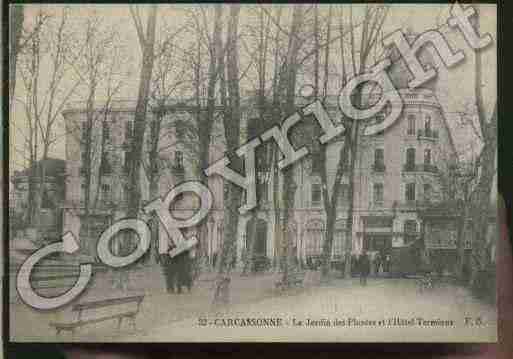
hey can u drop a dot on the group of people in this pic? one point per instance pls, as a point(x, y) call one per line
point(178, 271)
point(379, 265)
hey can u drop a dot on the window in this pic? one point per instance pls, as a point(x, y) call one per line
point(427, 156)
point(427, 126)
point(105, 167)
point(83, 189)
point(106, 132)
point(83, 162)
point(179, 159)
point(154, 129)
point(378, 193)
point(263, 194)
point(410, 226)
point(316, 194)
point(411, 125)
point(338, 242)
point(180, 130)
point(315, 238)
point(410, 230)
point(126, 165)
point(410, 191)
point(46, 202)
point(410, 159)
point(345, 161)
point(105, 192)
point(343, 195)
point(253, 127)
point(126, 193)
point(379, 160)
point(380, 118)
point(129, 131)
point(427, 192)
point(84, 132)
point(316, 163)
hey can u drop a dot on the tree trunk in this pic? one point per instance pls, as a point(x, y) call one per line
point(288, 174)
point(232, 134)
point(147, 45)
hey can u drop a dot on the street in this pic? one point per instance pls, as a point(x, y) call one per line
point(345, 311)
point(342, 310)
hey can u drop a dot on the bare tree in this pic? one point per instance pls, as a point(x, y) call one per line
point(96, 61)
point(230, 93)
point(289, 83)
point(43, 101)
point(15, 36)
point(147, 44)
point(370, 29)
point(487, 124)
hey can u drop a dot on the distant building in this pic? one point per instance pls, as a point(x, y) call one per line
point(48, 224)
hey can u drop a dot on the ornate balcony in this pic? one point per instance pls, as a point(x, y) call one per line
point(412, 204)
point(427, 134)
point(424, 167)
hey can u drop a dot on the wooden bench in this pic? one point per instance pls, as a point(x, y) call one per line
point(295, 278)
point(94, 305)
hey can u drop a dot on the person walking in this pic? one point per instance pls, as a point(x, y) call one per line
point(377, 263)
point(184, 271)
point(168, 265)
point(387, 264)
point(364, 267)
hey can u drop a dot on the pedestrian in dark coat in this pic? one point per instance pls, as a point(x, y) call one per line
point(364, 267)
point(184, 271)
point(169, 270)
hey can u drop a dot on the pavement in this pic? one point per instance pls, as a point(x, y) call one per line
point(191, 317)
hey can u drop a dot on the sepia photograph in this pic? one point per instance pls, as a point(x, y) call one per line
point(252, 173)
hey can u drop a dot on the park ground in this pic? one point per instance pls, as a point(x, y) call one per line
point(171, 317)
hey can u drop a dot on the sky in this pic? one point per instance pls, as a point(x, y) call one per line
point(455, 85)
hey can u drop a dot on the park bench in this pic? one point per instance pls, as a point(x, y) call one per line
point(95, 306)
point(49, 280)
point(295, 278)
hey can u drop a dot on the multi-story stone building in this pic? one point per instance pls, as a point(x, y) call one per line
point(112, 133)
point(398, 173)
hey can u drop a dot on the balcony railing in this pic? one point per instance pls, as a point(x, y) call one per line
point(426, 133)
point(412, 204)
point(424, 167)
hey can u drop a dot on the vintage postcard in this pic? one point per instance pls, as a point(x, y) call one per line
point(252, 173)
